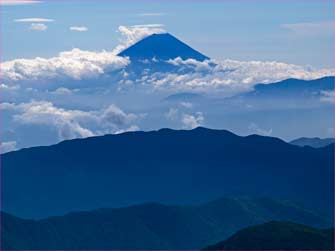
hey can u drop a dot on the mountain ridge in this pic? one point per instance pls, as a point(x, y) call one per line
point(162, 166)
point(278, 235)
point(153, 225)
point(312, 142)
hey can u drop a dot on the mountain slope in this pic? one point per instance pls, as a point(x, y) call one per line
point(167, 166)
point(278, 236)
point(312, 142)
point(292, 93)
point(161, 47)
point(149, 226)
point(295, 87)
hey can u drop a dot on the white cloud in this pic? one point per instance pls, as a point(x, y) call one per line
point(78, 28)
point(137, 32)
point(72, 123)
point(192, 121)
point(7, 146)
point(186, 104)
point(172, 114)
point(132, 128)
point(113, 116)
point(327, 97)
point(310, 28)
point(9, 87)
point(18, 2)
point(38, 27)
point(75, 64)
point(229, 75)
point(157, 14)
point(256, 129)
point(34, 20)
point(62, 91)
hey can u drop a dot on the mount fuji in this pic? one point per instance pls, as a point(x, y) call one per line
point(161, 47)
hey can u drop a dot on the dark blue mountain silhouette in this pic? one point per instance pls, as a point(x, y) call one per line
point(295, 87)
point(150, 226)
point(313, 142)
point(278, 235)
point(168, 166)
point(161, 47)
point(292, 94)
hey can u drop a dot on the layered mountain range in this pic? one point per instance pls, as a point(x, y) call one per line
point(167, 166)
point(154, 226)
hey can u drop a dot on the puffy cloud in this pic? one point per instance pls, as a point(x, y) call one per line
point(38, 27)
point(78, 28)
point(172, 114)
point(75, 64)
point(18, 2)
point(72, 123)
point(229, 75)
point(135, 33)
point(62, 91)
point(114, 117)
point(327, 97)
point(192, 121)
point(256, 129)
point(7, 146)
point(186, 104)
point(33, 20)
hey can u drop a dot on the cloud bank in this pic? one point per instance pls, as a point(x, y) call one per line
point(231, 75)
point(69, 123)
point(75, 64)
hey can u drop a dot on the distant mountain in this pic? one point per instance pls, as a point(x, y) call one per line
point(149, 226)
point(295, 87)
point(161, 47)
point(290, 93)
point(313, 142)
point(168, 166)
point(278, 236)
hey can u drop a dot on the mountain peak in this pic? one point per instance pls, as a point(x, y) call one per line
point(163, 46)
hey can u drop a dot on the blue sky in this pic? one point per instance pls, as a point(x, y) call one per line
point(298, 32)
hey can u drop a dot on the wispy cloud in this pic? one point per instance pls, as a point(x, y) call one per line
point(192, 121)
point(253, 127)
point(78, 28)
point(327, 97)
point(7, 146)
point(18, 2)
point(34, 20)
point(157, 14)
point(38, 27)
point(310, 28)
